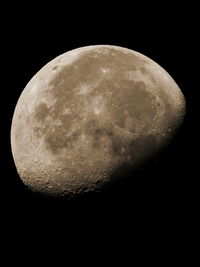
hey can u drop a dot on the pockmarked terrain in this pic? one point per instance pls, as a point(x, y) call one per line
point(88, 112)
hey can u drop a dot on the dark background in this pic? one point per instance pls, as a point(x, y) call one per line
point(162, 197)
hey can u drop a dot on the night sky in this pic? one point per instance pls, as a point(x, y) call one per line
point(165, 190)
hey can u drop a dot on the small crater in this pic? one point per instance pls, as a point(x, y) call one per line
point(55, 68)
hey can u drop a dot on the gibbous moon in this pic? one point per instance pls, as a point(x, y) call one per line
point(88, 112)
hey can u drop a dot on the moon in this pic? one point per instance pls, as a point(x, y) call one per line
point(88, 112)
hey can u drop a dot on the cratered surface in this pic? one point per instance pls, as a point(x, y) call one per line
point(88, 112)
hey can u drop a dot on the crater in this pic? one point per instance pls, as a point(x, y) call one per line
point(55, 67)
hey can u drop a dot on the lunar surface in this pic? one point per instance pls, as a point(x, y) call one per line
point(88, 112)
